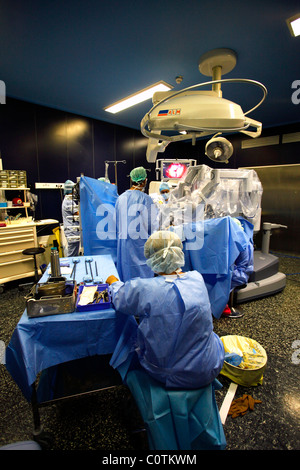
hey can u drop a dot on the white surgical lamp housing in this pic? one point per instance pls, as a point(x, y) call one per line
point(189, 114)
point(196, 110)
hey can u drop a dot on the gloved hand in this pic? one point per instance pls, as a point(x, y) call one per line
point(240, 406)
point(111, 279)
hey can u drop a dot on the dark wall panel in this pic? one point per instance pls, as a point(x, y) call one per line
point(281, 205)
point(51, 142)
point(104, 137)
point(17, 138)
point(280, 154)
point(80, 150)
point(52, 145)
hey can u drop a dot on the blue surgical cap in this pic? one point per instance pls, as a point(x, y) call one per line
point(138, 174)
point(68, 186)
point(164, 186)
point(163, 252)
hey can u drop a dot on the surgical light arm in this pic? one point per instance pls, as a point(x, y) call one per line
point(253, 123)
point(153, 147)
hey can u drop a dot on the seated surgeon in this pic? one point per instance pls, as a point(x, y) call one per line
point(175, 340)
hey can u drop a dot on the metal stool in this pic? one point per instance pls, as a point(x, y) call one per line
point(33, 252)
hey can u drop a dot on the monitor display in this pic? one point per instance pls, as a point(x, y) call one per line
point(175, 169)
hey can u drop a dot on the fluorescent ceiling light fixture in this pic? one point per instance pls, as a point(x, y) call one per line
point(138, 97)
point(294, 25)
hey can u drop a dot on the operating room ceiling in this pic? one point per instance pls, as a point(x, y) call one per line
point(80, 56)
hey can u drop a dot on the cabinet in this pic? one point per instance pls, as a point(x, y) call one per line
point(13, 240)
point(25, 203)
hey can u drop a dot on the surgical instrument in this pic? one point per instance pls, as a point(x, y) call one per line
point(88, 278)
point(75, 261)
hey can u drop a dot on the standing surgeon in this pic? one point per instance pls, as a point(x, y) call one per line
point(136, 219)
point(69, 211)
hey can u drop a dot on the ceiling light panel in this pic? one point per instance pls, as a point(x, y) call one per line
point(138, 97)
point(294, 25)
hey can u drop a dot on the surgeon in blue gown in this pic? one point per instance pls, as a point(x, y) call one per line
point(175, 342)
point(136, 219)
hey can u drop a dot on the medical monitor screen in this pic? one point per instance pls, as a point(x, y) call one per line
point(175, 169)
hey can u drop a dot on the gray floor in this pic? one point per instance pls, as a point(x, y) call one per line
point(106, 420)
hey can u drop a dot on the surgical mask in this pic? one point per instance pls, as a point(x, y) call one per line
point(165, 196)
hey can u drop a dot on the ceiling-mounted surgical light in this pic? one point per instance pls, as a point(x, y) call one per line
point(138, 97)
point(294, 25)
point(199, 113)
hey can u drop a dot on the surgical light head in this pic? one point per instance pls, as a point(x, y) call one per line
point(163, 252)
point(219, 149)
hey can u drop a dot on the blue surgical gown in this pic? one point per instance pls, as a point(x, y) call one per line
point(136, 219)
point(174, 340)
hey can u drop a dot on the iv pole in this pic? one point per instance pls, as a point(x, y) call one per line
point(107, 162)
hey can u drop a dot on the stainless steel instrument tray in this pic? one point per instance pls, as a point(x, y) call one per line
point(42, 305)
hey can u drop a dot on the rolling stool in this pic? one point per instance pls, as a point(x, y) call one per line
point(34, 252)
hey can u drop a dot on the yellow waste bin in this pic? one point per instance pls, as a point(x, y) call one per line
point(254, 360)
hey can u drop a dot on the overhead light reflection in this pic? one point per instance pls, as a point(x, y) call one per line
point(76, 128)
point(71, 129)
